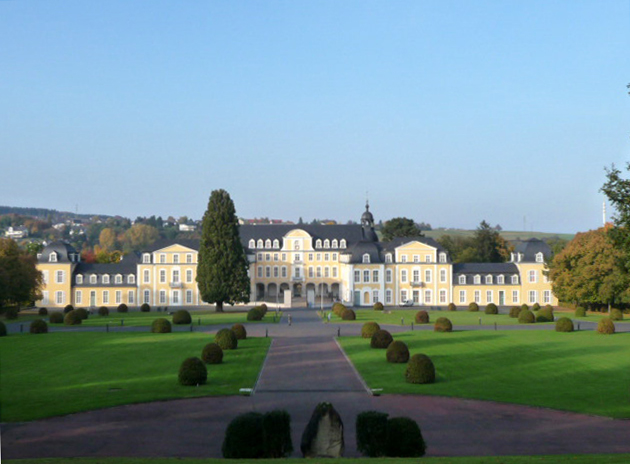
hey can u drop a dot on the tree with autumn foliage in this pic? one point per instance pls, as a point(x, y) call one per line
point(139, 237)
point(590, 270)
point(20, 281)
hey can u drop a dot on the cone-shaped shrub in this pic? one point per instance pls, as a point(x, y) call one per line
point(452, 307)
point(42, 312)
point(349, 315)
point(515, 311)
point(397, 352)
point(378, 306)
point(145, 307)
point(404, 438)
point(193, 372)
point(226, 339)
point(422, 317)
point(580, 311)
point(371, 427)
point(67, 308)
point(103, 311)
point(443, 324)
point(491, 308)
point(39, 326)
point(161, 325)
point(245, 437)
point(212, 354)
point(381, 339)
point(182, 317)
point(82, 312)
point(122, 308)
point(369, 328)
point(564, 324)
point(616, 315)
point(606, 326)
point(239, 331)
point(255, 314)
point(56, 318)
point(72, 318)
point(3, 329)
point(420, 369)
point(474, 307)
point(526, 317)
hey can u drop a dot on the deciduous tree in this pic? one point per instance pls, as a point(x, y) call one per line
point(140, 236)
point(20, 281)
point(400, 227)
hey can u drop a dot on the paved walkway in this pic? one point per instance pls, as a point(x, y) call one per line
point(304, 367)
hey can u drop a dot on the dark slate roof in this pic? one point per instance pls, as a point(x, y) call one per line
point(127, 266)
point(530, 248)
point(485, 268)
point(62, 249)
point(357, 251)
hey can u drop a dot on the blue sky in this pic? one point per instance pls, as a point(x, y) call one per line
point(448, 112)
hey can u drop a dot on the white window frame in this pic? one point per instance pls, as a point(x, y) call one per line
point(366, 258)
point(118, 297)
point(105, 278)
point(79, 279)
point(78, 297)
point(462, 297)
point(146, 258)
point(60, 277)
point(105, 297)
point(146, 297)
point(442, 275)
point(189, 296)
point(130, 298)
point(146, 275)
point(60, 297)
point(403, 276)
point(388, 276)
point(462, 280)
point(93, 279)
point(388, 297)
point(477, 296)
point(532, 276)
point(428, 276)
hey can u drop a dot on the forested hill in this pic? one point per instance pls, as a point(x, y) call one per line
point(44, 213)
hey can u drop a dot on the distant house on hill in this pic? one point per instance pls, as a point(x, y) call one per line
point(16, 232)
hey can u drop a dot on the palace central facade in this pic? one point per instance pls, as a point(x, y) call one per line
point(316, 263)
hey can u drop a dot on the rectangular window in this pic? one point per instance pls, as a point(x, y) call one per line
point(130, 297)
point(162, 276)
point(427, 297)
point(416, 297)
point(442, 296)
point(162, 296)
point(176, 275)
point(189, 258)
point(334, 271)
point(59, 298)
point(462, 297)
point(489, 296)
point(105, 297)
point(118, 296)
point(284, 256)
point(366, 275)
point(388, 276)
point(326, 257)
point(275, 256)
point(477, 296)
point(416, 258)
point(403, 276)
point(533, 277)
point(297, 272)
point(403, 259)
point(276, 271)
point(45, 277)
point(147, 276)
point(443, 275)
point(146, 258)
point(59, 277)
point(514, 280)
point(326, 271)
point(45, 298)
point(189, 296)
point(427, 258)
point(78, 297)
point(375, 275)
point(334, 256)
point(547, 296)
point(357, 276)
point(515, 296)
point(284, 271)
point(268, 257)
point(533, 296)
point(146, 298)
point(311, 272)
point(403, 295)
point(375, 296)
point(260, 272)
point(175, 297)
point(260, 256)
point(176, 258)
point(416, 275)
point(427, 275)
point(388, 297)
point(189, 276)
point(268, 271)
point(162, 258)
point(319, 272)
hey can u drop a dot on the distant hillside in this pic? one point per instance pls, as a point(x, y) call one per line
point(44, 213)
point(506, 234)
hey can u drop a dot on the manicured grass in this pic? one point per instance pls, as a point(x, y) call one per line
point(553, 459)
point(61, 373)
point(591, 316)
point(140, 319)
point(581, 371)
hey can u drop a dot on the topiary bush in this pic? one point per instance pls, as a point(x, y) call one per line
point(3, 329)
point(549, 307)
point(72, 318)
point(404, 438)
point(68, 308)
point(422, 317)
point(42, 312)
point(39, 326)
point(491, 308)
point(103, 311)
point(226, 339)
point(474, 307)
point(420, 369)
point(443, 324)
point(338, 309)
point(616, 315)
point(192, 372)
point(526, 317)
point(545, 315)
point(161, 325)
point(452, 307)
point(580, 311)
point(239, 331)
point(56, 317)
point(378, 306)
point(83, 313)
point(564, 324)
point(397, 352)
point(255, 314)
point(524, 307)
point(515, 311)
point(245, 437)
point(263, 308)
point(145, 307)
point(122, 308)
point(349, 315)
point(371, 430)
point(182, 317)
point(277, 428)
point(606, 326)
point(369, 328)
point(535, 307)
point(212, 354)
point(381, 339)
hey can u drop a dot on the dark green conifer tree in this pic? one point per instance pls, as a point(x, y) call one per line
point(222, 269)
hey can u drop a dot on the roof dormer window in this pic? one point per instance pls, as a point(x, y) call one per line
point(388, 258)
point(539, 257)
point(79, 279)
point(259, 243)
point(366, 258)
point(442, 257)
point(318, 243)
point(252, 243)
point(335, 243)
point(93, 279)
point(267, 243)
point(105, 279)
point(500, 280)
point(342, 243)
point(131, 279)
point(118, 279)
point(462, 280)
point(488, 279)
point(146, 258)
point(326, 243)
point(52, 258)
point(477, 279)
point(276, 243)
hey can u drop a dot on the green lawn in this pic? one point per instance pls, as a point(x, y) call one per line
point(555, 459)
point(61, 373)
point(581, 371)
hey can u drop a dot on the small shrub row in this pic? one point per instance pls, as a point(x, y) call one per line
point(254, 435)
point(378, 436)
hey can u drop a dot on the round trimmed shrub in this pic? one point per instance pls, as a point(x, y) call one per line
point(338, 309)
point(452, 307)
point(42, 312)
point(515, 311)
point(580, 311)
point(371, 430)
point(564, 324)
point(255, 314)
point(526, 317)
point(616, 315)
point(122, 308)
point(161, 325)
point(422, 317)
point(193, 372)
point(145, 307)
point(56, 317)
point(82, 312)
point(544, 315)
point(239, 331)
point(404, 438)
point(397, 352)
point(474, 307)
point(443, 324)
point(103, 311)
point(606, 326)
point(524, 307)
point(548, 307)
point(244, 437)
point(369, 328)
point(491, 308)
point(72, 318)
point(536, 307)
point(39, 326)
point(226, 339)
point(349, 315)
point(212, 354)
point(378, 306)
point(381, 339)
point(182, 317)
point(68, 308)
point(3, 329)
point(420, 369)
point(263, 308)
point(11, 314)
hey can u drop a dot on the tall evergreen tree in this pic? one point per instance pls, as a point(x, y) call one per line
point(222, 269)
point(490, 246)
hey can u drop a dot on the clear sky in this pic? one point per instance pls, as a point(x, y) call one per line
point(448, 112)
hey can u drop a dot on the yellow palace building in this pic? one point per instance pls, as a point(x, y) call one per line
point(315, 264)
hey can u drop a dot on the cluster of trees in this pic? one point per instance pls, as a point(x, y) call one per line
point(485, 246)
point(20, 281)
